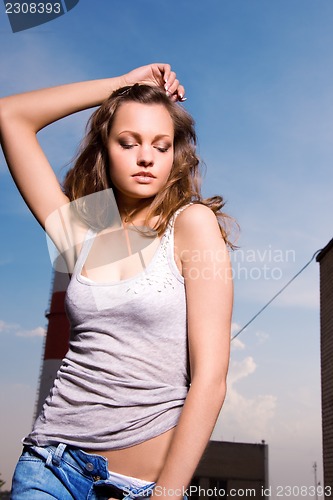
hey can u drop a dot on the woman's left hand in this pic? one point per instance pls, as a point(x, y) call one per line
point(159, 75)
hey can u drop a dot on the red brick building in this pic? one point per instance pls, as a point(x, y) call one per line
point(325, 259)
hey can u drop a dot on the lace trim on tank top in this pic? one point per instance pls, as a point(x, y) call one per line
point(151, 275)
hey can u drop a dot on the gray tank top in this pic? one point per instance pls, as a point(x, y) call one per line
point(125, 377)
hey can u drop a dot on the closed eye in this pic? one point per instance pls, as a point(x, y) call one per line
point(163, 149)
point(128, 145)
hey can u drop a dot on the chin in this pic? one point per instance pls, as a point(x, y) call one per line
point(137, 194)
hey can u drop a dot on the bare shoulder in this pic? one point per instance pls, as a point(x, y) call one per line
point(197, 233)
point(197, 221)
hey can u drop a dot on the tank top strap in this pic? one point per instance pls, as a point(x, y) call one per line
point(175, 215)
point(167, 240)
point(168, 243)
point(86, 246)
point(169, 233)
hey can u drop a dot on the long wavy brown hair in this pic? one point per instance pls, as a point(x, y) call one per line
point(90, 172)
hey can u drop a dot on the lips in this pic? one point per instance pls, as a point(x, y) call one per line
point(144, 174)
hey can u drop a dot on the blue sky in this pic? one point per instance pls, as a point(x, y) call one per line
point(258, 78)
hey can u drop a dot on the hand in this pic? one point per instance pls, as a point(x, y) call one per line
point(159, 75)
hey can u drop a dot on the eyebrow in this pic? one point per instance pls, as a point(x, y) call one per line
point(138, 136)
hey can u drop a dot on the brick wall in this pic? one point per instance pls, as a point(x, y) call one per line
point(325, 258)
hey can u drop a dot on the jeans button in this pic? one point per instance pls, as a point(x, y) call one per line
point(89, 466)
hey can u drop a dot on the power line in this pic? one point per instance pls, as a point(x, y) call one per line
point(276, 295)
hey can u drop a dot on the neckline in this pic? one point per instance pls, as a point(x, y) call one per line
point(87, 281)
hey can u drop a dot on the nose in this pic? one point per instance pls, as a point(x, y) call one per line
point(145, 156)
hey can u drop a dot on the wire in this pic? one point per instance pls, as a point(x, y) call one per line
point(276, 295)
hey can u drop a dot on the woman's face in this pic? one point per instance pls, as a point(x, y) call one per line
point(140, 150)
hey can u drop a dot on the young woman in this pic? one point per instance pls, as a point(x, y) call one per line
point(139, 391)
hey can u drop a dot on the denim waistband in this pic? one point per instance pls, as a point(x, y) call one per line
point(91, 465)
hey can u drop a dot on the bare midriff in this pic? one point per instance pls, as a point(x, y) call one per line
point(142, 461)
point(145, 460)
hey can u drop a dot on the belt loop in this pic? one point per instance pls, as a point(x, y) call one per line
point(58, 454)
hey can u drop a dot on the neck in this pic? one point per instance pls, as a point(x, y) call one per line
point(134, 209)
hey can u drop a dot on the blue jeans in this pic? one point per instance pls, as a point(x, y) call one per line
point(66, 473)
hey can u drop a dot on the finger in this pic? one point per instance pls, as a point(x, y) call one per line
point(181, 93)
point(173, 88)
point(169, 84)
point(166, 70)
point(176, 97)
point(162, 73)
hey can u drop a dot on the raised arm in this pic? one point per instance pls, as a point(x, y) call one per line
point(23, 115)
point(209, 295)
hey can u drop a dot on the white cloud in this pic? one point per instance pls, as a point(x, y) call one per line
point(236, 343)
point(242, 369)
point(242, 418)
point(35, 332)
point(18, 331)
point(234, 327)
point(4, 326)
point(290, 425)
point(247, 419)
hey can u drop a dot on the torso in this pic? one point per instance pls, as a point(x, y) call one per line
point(126, 266)
point(145, 460)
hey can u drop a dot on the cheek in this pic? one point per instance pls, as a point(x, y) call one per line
point(165, 161)
point(117, 163)
point(168, 164)
point(116, 173)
